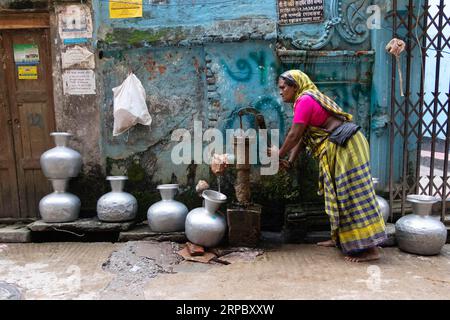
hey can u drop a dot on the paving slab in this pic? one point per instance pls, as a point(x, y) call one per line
point(82, 225)
point(143, 232)
point(15, 233)
point(153, 270)
point(313, 237)
point(66, 270)
point(312, 272)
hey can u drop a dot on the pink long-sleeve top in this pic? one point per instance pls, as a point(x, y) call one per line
point(309, 112)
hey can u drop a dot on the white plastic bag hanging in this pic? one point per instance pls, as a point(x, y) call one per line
point(130, 107)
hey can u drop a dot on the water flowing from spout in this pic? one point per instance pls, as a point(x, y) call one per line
point(218, 183)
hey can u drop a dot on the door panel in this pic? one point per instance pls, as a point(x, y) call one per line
point(9, 197)
point(31, 110)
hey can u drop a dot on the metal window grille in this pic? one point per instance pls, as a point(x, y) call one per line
point(420, 128)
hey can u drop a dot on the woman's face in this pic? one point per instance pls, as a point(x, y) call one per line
point(287, 92)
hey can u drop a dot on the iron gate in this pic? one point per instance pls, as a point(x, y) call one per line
point(420, 127)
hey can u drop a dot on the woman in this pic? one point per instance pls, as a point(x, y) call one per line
point(328, 134)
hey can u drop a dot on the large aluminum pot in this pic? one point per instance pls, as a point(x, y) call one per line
point(59, 206)
point(117, 205)
point(419, 232)
point(204, 226)
point(382, 203)
point(61, 162)
point(167, 215)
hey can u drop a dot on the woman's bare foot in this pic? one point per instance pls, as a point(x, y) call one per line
point(366, 255)
point(328, 243)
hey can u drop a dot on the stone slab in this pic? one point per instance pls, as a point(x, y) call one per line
point(143, 232)
point(82, 225)
point(16, 233)
point(317, 236)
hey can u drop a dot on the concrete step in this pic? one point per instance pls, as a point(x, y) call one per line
point(81, 225)
point(15, 233)
point(317, 236)
point(143, 232)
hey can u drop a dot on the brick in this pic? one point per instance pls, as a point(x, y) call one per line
point(194, 249)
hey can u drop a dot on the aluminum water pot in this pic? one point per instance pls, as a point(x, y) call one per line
point(419, 232)
point(61, 162)
point(382, 203)
point(167, 215)
point(117, 205)
point(205, 226)
point(59, 206)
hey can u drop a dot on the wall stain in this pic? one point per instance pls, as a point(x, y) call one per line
point(153, 68)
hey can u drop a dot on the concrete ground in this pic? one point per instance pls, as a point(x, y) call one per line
point(153, 270)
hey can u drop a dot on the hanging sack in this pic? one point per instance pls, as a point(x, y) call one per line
point(130, 107)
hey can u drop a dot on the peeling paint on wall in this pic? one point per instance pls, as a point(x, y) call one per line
point(202, 62)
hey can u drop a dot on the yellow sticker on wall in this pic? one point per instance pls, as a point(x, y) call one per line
point(27, 72)
point(119, 9)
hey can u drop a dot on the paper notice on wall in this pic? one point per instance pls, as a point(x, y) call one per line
point(119, 9)
point(300, 11)
point(74, 21)
point(26, 54)
point(77, 57)
point(79, 82)
point(27, 72)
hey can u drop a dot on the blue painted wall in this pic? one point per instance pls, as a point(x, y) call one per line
point(206, 59)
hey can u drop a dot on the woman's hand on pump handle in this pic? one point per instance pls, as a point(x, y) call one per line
point(285, 164)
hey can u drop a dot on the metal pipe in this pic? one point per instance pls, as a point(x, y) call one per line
point(436, 96)
point(391, 123)
point(422, 93)
point(405, 186)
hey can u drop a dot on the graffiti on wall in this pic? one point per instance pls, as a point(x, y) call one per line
point(245, 68)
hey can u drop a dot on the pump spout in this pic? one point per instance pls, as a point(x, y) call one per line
point(260, 122)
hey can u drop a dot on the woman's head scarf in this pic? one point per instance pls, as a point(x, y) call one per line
point(306, 86)
point(302, 81)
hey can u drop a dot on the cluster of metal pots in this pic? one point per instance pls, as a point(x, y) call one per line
point(203, 226)
point(418, 233)
point(59, 165)
point(62, 163)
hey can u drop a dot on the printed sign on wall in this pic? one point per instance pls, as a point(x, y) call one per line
point(78, 82)
point(26, 54)
point(27, 72)
point(300, 11)
point(77, 57)
point(119, 9)
point(74, 22)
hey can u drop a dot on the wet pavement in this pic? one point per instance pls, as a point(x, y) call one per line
point(154, 270)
